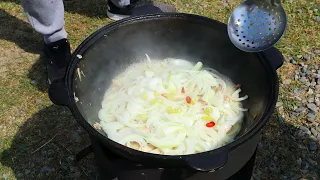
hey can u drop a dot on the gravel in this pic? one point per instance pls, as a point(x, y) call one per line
point(46, 169)
point(317, 18)
point(313, 146)
point(312, 162)
point(314, 132)
point(303, 80)
point(306, 58)
point(311, 117)
point(304, 165)
point(305, 130)
point(313, 107)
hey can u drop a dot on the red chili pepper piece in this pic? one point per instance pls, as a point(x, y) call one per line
point(188, 99)
point(210, 124)
point(182, 90)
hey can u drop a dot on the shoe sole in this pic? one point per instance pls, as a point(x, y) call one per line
point(116, 17)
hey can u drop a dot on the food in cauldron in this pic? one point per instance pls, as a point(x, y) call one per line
point(172, 107)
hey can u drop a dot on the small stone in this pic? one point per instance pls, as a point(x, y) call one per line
point(304, 165)
point(317, 18)
point(308, 84)
point(317, 87)
point(303, 80)
point(317, 51)
point(312, 107)
point(311, 100)
point(315, 10)
point(34, 82)
point(299, 56)
point(299, 110)
point(310, 91)
point(45, 169)
point(272, 167)
point(297, 91)
point(312, 162)
point(4, 176)
point(311, 117)
point(312, 146)
point(38, 101)
point(292, 61)
point(289, 58)
point(306, 58)
point(314, 132)
point(305, 129)
point(304, 69)
point(318, 137)
point(299, 161)
point(313, 83)
point(299, 11)
point(304, 101)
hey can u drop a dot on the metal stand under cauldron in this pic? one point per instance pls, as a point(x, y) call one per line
point(113, 167)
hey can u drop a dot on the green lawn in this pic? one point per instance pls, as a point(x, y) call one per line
point(29, 120)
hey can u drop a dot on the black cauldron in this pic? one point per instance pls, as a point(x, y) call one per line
point(114, 47)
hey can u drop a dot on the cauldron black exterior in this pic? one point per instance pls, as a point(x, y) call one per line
point(114, 47)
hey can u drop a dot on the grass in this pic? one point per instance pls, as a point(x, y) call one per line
point(28, 119)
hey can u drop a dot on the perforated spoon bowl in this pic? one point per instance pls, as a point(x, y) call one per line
point(256, 25)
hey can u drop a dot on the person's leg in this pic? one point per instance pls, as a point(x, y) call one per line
point(119, 9)
point(47, 18)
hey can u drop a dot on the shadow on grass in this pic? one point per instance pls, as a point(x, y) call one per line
point(19, 32)
point(45, 148)
point(38, 73)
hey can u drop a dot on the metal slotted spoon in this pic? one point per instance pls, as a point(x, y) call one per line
point(256, 25)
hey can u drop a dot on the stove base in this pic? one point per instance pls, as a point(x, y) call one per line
point(119, 168)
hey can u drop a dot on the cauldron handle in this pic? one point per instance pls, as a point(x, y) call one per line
point(274, 56)
point(207, 162)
